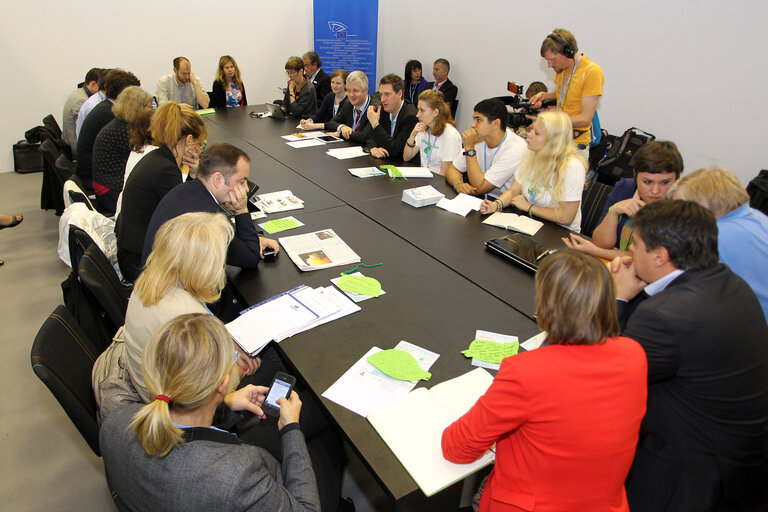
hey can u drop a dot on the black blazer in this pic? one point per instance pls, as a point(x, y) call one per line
point(449, 90)
point(346, 116)
point(322, 83)
point(192, 196)
point(153, 177)
point(704, 440)
point(325, 112)
point(395, 144)
point(219, 96)
point(97, 119)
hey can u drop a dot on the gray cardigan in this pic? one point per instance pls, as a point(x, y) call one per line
point(211, 470)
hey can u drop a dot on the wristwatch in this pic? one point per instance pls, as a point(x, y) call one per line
point(470, 152)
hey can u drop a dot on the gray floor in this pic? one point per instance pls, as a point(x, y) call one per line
point(44, 462)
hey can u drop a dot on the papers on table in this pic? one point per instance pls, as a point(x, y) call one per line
point(321, 249)
point(281, 201)
point(366, 172)
point(357, 297)
point(412, 426)
point(305, 143)
point(410, 172)
point(363, 388)
point(514, 222)
point(258, 215)
point(287, 314)
point(462, 204)
point(421, 196)
point(534, 342)
point(345, 153)
point(491, 336)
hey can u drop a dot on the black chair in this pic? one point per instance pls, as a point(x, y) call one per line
point(74, 193)
point(62, 357)
point(50, 122)
point(99, 277)
point(51, 196)
point(79, 242)
point(592, 203)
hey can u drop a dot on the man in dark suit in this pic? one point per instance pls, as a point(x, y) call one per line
point(315, 74)
point(390, 131)
point(352, 121)
point(221, 181)
point(440, 70)
point(704, 440)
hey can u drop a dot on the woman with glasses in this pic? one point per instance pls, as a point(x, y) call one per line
point(300, 99)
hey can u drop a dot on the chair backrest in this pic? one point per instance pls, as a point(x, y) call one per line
point(592, 203)
point(73, 193)
point(66, 163)
point(62, 357)
point(98, 275)
point(454, 107)
point(79, 242)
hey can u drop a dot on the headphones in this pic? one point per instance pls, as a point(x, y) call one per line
point(568, 49)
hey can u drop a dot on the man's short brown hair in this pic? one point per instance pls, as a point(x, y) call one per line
point(394, 80)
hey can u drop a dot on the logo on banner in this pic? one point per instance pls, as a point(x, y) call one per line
point(339, 29)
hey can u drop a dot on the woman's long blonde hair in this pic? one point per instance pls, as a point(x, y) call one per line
point(186, 361)
point(190, 250)
point(546, 167)
point(220, 72)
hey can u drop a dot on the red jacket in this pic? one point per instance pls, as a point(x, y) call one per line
point(565, 420)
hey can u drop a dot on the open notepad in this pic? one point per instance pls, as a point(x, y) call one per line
point(514, 222)
point(412, 426)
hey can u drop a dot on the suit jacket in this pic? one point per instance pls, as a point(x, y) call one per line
point(192, 196)
point(565, 420)
point(322, 84)
point(96, 120)
point(209, 469)
point(346, 116)
point(449, 90)
point(704, 440)
point(153, 177)
point(380, 136)
point(219, 96)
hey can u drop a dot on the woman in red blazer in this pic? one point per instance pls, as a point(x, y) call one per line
point(565, 417)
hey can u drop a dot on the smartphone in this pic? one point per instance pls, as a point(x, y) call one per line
point(514, 88)
point(282, 385)
point(269, 253)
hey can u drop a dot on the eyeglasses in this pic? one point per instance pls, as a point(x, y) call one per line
point(291, 73)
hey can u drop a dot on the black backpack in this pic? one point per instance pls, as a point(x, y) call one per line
point(758, 192)
point(617, 163)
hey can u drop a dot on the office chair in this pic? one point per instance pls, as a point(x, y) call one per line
point(454, 108)
point(62, 357)
point(99, 277)
point(592, 203)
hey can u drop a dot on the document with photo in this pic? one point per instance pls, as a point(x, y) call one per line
point(318, 250)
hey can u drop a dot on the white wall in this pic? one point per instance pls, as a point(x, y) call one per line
point(690, 72)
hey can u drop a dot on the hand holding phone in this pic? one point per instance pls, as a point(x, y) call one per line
point(281, 387)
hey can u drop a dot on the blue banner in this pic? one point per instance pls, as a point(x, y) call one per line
point(346, 34)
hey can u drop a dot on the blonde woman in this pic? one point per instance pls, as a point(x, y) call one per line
point(112, 146)
point(435, 137)
point(166, 456)
point(228, 89)
point(184, 272)
point(550, 179)
point(180, 133)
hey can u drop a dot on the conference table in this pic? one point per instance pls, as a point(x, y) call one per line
point(441, 283)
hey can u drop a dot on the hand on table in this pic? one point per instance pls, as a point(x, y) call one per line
point(487, 207)
point(345, 131)
point(465, 188)
point(268, 243)
point(379, 153)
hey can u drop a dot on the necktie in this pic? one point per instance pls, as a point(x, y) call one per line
point(357, 119)
point(437, 87)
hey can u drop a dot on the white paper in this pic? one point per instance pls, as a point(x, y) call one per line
point(314, 134)
point(280, 201)
point(363, 388)
point(514, 222)
point(366, 172)
point(345, 153)
point(305, 143)
point(412, 172)
point(318, 250)
point(316, 302)
point(291, 138)
point(491, 336)
point(257, 215)
point(467, 200)
point(534, 342)
point(453, 207)
point(357, 297)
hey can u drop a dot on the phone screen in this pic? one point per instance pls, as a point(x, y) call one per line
point(278, 389)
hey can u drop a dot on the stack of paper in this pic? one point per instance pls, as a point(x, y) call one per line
point(281, 201)
point(344, 153)
point(462, 204)
point(412, 426)
point(321, 249)
point(305, 143)
point(366, 172)
point(421, 196)
point(514, 222)
point(286, 314)
point(410, 172)
point(364, 388)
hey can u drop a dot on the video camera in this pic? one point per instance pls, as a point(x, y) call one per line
point(521, 106)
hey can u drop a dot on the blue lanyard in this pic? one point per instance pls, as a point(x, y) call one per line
point(564, 87)
point(485, 155)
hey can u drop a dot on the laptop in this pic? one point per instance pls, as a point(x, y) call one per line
point(520, 249)
point(275, 111)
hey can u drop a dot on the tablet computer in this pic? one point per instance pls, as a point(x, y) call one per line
point(520, 249)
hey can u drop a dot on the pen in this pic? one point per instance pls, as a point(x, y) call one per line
point(545, 253)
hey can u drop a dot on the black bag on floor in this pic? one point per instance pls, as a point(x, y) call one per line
point(616, 163)
point(758, 192)
point(27, 157)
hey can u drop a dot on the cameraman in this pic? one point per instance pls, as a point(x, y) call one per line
point(579, 84)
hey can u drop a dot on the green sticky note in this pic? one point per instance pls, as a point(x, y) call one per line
point(277, 225)
point(394, 170)
point(490, 351)
point(399, 365)
point(360, 284)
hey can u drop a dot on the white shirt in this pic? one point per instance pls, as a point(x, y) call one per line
point(498, 164)
point(434, 150)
